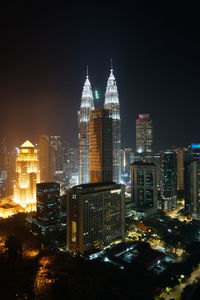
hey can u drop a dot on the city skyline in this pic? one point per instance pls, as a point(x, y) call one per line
point(155, 58)
point(99, 150)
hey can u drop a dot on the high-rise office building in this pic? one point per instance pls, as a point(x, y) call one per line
point(157, 161)
point(10, 171)
point(58, 156)
point(27, 175)
point(46, 159)
point(180, 168)
point(87, 104)
point(3, 170)
point(144, 138)
point(194, 169)
point(112, 104)
point(144, 188)
point(48, 208)
point(169, 180)
point(127, 158)
point(192, 153)
point(101, 151)
point(95, 216)
point(2, 154)
point(71, 166)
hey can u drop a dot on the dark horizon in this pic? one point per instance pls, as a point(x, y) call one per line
point(45, 50)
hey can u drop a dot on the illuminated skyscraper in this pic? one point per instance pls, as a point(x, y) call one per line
point(101, 152)
point(87, 104)
point(27, 175)
point(112, 103)
point(144, 138)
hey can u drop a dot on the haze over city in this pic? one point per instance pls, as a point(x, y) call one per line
point(45, 50)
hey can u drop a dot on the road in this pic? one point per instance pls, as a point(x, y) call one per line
point(174, 213)
point(177, 290)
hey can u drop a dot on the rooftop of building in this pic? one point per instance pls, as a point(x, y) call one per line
point(47, 184)
point(150, 257)
point(97, 186)
point(141, 163)
point(8, 205)
point(27, 144)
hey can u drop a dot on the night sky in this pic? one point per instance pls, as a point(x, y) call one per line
point(45, 49)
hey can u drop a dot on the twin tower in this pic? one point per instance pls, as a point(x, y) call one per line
point(111, 103)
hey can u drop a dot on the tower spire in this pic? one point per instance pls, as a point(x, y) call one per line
point(111, 64)
point(87, 71)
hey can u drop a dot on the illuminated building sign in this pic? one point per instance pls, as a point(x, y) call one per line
point(195, 146)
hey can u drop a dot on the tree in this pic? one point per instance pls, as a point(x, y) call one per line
point(13, 248)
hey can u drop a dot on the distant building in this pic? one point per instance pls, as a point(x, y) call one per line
point(100, 146)
point(71, 166)
point(180, 169)
point(157, 161)
point(144, 138)
point(95, 216)
point(169, 180)
point(27, 175)
point(112, 103)
point(2, 154)
point(7, 170)
point(144, 188)
point(63, 205)
point(3, 170)
point(48, 208)
point(56, 144)
point(127, 158)
point(46, 159)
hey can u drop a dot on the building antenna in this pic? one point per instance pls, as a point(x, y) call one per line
point(87, 71)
